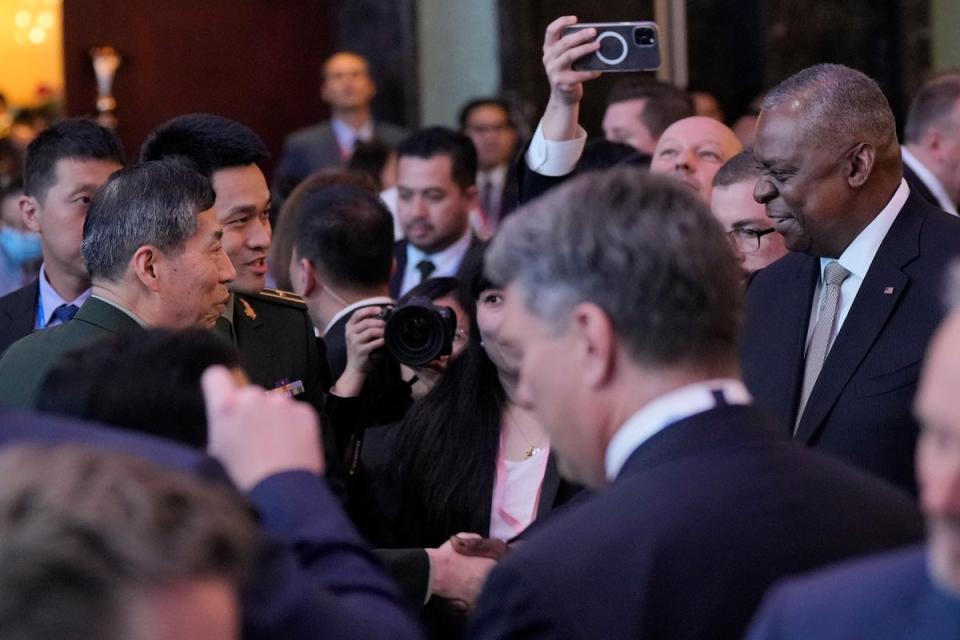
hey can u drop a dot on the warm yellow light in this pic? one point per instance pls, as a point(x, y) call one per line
point(31, 49)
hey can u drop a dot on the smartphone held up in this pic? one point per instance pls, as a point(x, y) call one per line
point(624, 46)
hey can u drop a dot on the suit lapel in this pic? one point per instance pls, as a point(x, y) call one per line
point(790, 319)
point(549, 488)
point(876, 299)
point(21, 314)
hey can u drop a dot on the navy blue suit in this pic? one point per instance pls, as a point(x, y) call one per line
point(885, 597)
point(315, 577)
point(702, 519)
point(861, 406)
point(18, 313)
point(917, 186)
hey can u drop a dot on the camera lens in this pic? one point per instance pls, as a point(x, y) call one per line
point(417, 332)
point(645, 37)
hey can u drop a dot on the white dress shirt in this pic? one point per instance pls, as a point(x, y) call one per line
point(555, 157)
point(856, 259)
point(366, 302)
point(931, 181)
point(446, 262)
point(666, 410)
point(49, 301)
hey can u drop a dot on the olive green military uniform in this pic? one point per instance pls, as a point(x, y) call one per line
point(26, 363)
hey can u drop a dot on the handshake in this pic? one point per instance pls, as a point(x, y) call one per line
point(459, 568)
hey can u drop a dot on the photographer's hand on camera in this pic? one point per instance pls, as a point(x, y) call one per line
point(364, 335)
point(566, 85)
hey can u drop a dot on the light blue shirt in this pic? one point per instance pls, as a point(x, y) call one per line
point(50, 301)
point(347, 136)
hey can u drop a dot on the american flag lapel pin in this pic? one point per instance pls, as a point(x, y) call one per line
point(888, 291)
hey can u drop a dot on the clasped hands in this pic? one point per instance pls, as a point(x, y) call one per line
point(460, 567)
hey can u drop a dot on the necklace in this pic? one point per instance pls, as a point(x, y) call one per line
point(532, 448)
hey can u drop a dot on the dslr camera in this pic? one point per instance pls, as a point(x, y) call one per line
point(418, 332)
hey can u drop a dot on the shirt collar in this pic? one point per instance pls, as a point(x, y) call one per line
point(117, 305)
point(50, 300)
point(858, 256)
point(496, 176)
point(446, 261)
point(668, 409)
point(931, 181)
point(227, 312)
point(366, 302)
point(345, 132)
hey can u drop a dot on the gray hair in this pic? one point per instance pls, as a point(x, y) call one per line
point(641, 247)
point(841, 105)
point(84, 532)
point(153, 203)
point(933, 105)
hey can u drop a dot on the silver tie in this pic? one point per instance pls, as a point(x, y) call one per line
point(833, 277)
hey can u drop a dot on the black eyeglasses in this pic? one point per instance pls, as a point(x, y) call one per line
point(748, 240)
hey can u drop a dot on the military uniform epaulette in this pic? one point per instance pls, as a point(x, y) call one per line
point(277, 295)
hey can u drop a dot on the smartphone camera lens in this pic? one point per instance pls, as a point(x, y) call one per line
point(645, 37)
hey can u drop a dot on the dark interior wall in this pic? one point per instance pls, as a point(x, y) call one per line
point(257, 61)
point(522, 25)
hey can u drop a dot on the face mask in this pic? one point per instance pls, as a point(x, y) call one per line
point(20, 247)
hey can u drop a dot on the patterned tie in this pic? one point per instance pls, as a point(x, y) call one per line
point(425, 267)
point(833, 277)
point(65, 312)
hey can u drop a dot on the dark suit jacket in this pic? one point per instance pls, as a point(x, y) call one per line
point(703, 517)
point(918, 187)
point(884, 597)
point(25, 364)
point(861, 406)
point(314, 148)
point(400, 255)
point(314, 576)
point(18, 313)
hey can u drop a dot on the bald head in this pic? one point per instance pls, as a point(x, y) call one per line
point(693, 150)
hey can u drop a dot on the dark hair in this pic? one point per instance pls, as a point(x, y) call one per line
point(13, 188)
point(665, 103)
point(431, 289)
point(147, 203)
point(436, 141)
point(72, 139)
point(933, 104)
point(476, 103)
point(739, 168)
point(642, 248)
point(209, 141)
point(116, 381)
point(86, 533)
point(281, 245)
point(347, 233)
point(445, 456)
point(370, 158)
